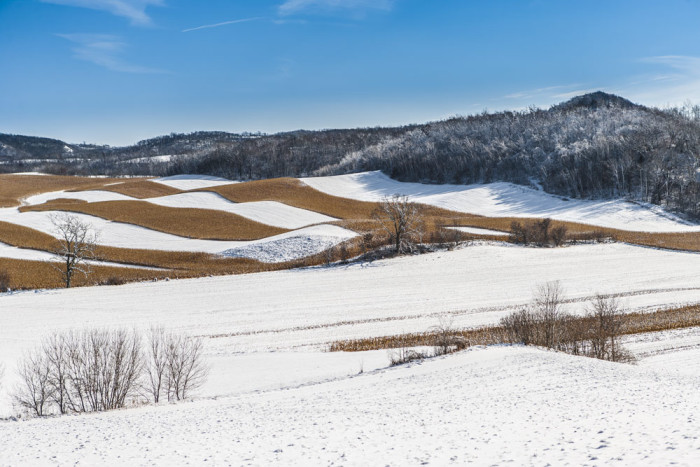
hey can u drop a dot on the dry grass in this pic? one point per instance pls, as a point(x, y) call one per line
point(186, 222)
point(137, 188)
point(25, 274)
point(631, 323)
point(15, 187)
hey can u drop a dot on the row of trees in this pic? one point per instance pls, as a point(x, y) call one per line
point(97, 370)
point(596, 145)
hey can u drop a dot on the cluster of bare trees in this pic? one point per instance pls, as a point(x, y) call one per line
point(401, 220)
point(540, 233)
point(546, 324)
point(100, 369)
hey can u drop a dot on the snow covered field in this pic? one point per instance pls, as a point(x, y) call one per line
point(505, 200)
point(485, 406)
point(274, 396)
point(303, 310)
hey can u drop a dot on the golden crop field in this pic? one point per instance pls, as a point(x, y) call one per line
point(136, 188)
point(15, 187)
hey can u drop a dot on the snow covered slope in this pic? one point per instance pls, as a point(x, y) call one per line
point(304, 309)
point(192, 182)
point(485, 406)
point(504, 200)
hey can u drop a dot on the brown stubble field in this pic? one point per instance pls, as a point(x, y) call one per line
point(185, 222)
point(136, 188)
point(15, 187)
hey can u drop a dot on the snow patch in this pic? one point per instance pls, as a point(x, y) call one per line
point(192, 182)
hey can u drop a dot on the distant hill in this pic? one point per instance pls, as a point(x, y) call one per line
point(594, 145)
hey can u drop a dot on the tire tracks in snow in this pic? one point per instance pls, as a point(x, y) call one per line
point(450, 313)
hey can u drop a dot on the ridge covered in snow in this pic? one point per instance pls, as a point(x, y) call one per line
point(503, 199)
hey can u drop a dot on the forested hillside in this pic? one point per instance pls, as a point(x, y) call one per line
point(596, 145)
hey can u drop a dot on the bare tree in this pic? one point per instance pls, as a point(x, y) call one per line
point(76, 244)
point(605, 313)
point(34, 392)
point(174, 365)
point(186, 369)
point(547, 304)
point(157, 363)
point(446, 337)
point(400, 218)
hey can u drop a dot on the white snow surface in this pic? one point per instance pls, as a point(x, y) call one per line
point(274, 396)
point(305, 309)
point(283, 247)
point(506, 200)
point(266, 212)
point(491, 406)
point(478, 231)
point(192, 182)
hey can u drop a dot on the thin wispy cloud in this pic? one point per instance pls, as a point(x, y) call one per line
point(223, 23)
point(675, 80)
point(290, 7)
point(133, 10)
point(106, 51)
point(541, 92)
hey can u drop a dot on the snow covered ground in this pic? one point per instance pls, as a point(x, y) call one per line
point(192, 182)
point(485, 406)
point(302, 310)
point(266, 212)
point(478, 231)
point(505, 200)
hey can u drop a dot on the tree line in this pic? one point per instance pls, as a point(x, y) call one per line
point(596, 145)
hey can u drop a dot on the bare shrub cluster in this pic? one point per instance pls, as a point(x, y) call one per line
point(544, 324)
point(174, 365)
point(97, 370)
point(541, 233)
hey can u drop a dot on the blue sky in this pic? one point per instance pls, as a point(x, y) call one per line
point(117, 71)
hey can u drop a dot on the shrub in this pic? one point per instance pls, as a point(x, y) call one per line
point(404, 355)
point(539, 232)
point(4, 282)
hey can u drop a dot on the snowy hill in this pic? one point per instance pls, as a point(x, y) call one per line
point(485, 406)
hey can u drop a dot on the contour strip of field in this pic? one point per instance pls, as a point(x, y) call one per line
point(202, 223)
point(271, 213)
point(137, 188)
point(14, 187)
